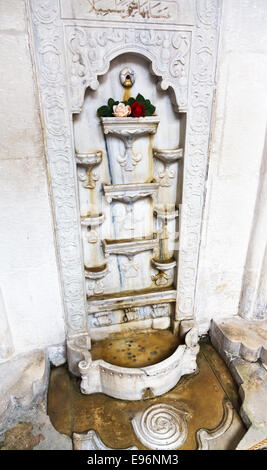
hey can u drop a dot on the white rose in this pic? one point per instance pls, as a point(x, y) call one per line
point(121, 110)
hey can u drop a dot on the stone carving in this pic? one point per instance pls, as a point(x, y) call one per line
point(150, 311)
point(166, 214)
point(196, 152)
point(91, 441)
point(130, 314)
point(129, 248)
point(102, 319)
point(93, 220)
point(161, 279)
point(131, 383)
point(130, 192)
point(94, 287)
point(130, 269)
point(161, 427)
point(127, 77)
point(87, 162)
point(130, 301)
point(141, 11)
point(207, 439)
point(88, 53)
point(96, 272)
point(137, 9)
point(91, 49)
point(240, 337)
point(166, 176)
point(164, 265)
point(47, 34)
point(129, 129)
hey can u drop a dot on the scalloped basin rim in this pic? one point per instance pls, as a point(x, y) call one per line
point(131, 119)
point(147, 370)
point(175, 149)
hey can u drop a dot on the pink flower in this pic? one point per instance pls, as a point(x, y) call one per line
point(121, 110)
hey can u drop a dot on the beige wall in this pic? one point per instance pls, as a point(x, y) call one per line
point(238, 133)
point(29, 279)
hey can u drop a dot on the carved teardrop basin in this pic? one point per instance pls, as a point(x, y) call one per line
point(168, 155)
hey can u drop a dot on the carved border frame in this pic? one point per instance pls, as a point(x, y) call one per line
point(47, 36)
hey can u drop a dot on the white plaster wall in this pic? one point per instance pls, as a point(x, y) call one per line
point(29, 278)
point(238, 132)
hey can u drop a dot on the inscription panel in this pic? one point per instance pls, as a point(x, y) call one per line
point(148, 11)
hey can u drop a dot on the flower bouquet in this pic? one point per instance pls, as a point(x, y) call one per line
point(133, 107)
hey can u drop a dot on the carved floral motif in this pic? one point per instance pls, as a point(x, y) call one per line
point(49, 49)
point(91, 49)
point(196, 151)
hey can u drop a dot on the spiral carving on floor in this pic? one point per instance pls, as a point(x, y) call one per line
point(161, 426)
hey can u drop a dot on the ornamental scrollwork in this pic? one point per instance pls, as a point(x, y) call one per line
point(90, 50)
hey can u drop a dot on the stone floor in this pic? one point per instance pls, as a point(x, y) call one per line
point(201, 394)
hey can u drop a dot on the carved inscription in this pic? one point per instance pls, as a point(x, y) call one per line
point(141, 11)
point(133, 8)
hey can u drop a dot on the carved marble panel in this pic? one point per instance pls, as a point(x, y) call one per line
point(73, 44)
point(147, 11)
point(90, 50)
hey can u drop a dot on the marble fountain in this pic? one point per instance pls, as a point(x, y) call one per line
point(127, 192)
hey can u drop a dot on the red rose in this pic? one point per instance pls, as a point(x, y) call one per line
point(137, 109)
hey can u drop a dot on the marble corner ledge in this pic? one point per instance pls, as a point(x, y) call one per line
point(252, 381)
point(129, 247)
point(131, 192)
point(130, 126)
point(239, 337)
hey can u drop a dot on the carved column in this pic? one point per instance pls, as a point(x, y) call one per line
point(253, 303)
point(6, 343)
point(48, 46)
point(201, 89)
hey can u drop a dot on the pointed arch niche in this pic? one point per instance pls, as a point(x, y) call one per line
point(77, 51)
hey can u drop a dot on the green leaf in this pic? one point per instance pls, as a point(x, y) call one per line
point(140, 99)
point(130, 101)
point(104, 111)
point(111, 102)
point(150, 110)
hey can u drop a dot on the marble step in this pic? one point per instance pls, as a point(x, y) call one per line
point(23, 382)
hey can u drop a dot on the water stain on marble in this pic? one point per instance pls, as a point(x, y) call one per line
point(137, 349)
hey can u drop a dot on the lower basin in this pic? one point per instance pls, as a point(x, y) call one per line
point(139, 349)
